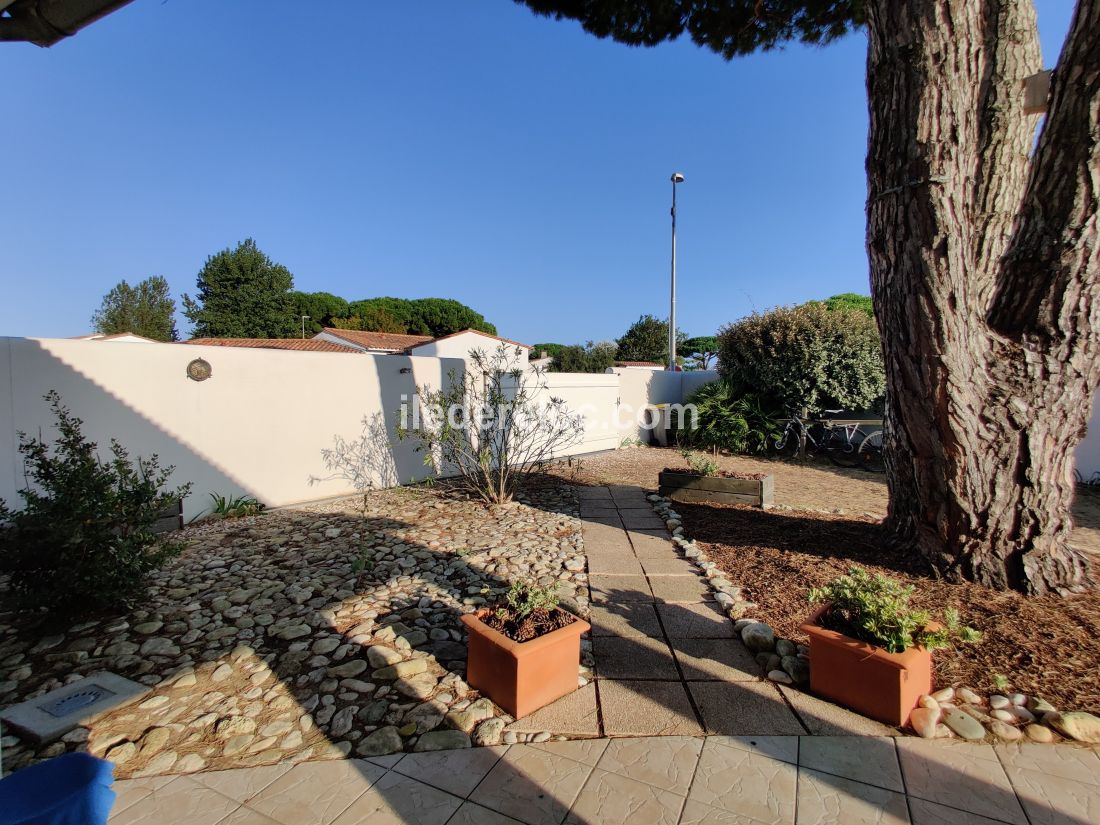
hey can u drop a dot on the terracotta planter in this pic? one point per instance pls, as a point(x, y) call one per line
point(865, 678)
point(521, 677)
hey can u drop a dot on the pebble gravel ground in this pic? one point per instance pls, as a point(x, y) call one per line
point(304, 633)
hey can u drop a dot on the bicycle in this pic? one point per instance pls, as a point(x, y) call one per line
point(870, 453)
point(841, 442)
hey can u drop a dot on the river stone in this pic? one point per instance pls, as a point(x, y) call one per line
point(419, 686)
point(294, 631)
point(489, 732)
point(342, 721)
point(383, 741)
point(798, 669)
point(779, 676)
point(159, 646)
point(234, 726)
point(944, 695)
point(348, 669)
point(236, 744)
point(148, 628)
point(442, 740)
point(758, 637)
point(1038, 733)
point(968, 696)
point(161, 763)
point(401, 669)
point(1004, 731)
point(121, 754)
point(373, 713)
point(154, 741)
point(785, 647)
point(963, 724)
point(1077, 725)
point(426, 716)
point(380, 656)
point(924, 721)
point(998, 702)
point(1039, 706)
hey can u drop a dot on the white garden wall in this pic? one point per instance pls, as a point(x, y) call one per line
point(1088, 451)
point(260, 425)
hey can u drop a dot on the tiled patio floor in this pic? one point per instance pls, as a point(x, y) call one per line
point(809, 780)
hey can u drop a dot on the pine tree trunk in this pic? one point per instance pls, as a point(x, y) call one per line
point(984, 272)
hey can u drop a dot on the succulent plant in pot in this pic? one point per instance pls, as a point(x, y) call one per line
point(870, 650)
point(523, 653)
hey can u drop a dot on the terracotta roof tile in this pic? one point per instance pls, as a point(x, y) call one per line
point(638, 364)
point(475, 332)
point(296, 344)
point(391, 341)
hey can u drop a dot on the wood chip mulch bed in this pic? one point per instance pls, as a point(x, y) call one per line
point(1046, 646)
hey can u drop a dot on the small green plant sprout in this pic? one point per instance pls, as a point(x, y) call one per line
point(631, 442)
point(364, 562)
point(875, 609)
point(234, 506)
point(699, 463)
point(1000, 682)
point(524, 598)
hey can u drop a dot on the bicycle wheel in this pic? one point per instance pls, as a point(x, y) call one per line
point(787, 444)
point(870, 453)
point(842, 447)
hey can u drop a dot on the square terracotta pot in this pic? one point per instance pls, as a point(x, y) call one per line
point(522, 677)
point(884, 686)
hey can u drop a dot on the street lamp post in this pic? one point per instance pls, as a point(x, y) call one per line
point(676, 178)
point(304, 319)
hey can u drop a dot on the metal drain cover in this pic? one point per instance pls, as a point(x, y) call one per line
point(76, 701)
point(51, 716)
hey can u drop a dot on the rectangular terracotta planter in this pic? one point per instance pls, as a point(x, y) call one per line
point(522, 677)
point(694, 488)
point(884, 686)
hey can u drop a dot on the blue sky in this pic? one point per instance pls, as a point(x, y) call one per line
point(463, 150)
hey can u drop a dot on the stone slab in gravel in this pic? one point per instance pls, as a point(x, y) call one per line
point(826, 719)
point(715, 660)
point(627, 619)
point(617, 589)
point(645, 708)
point(634, 657)
point(687, 589)
point(572, 715)
point(695, 621)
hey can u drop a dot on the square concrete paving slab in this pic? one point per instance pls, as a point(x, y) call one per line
point(585, 751)
point(695, 621)
point(619, 564)
point(473, 814)
point(246, 816)
point(641, 520)
point(744, 709)
point(532, 786)
point(595, 531)
point(611, 521)
point(646, 709)
point(872, 760)
point(1070, 762)
point(177, 802)
point(129, 792)
point(743, 783)
point(633, 657)
point(783, 748)
point(615, 544)
point(923, 812)
point(574, 714)
point(826, 719)
point(617, 589)
point(316, 793)
point(661, 566)
point(628, 619)
point(688, 589)
point(457, 772)
point(667, 763)
point(648, 545)
point(960, 775)
point(824, 798)
point(725, 660)
point(398, 800)
point(604, 508)
point(612, 799)
point(585, 492)
point(1055, 800)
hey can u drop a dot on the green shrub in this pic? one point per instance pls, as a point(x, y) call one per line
point(524, 598)
point(234, 506)
point(806, 355)
point(83, 540)
point(726, 421)
point(700, 463)
point(875, 609)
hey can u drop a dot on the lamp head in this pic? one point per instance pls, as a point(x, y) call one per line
point(677, 177)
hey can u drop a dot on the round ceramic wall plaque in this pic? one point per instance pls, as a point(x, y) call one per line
point(198, 370)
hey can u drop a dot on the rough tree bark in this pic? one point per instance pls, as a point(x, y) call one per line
point(985, 261)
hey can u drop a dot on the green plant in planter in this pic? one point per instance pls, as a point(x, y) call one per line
point(234, 506)
point(700, 464)
point(875, 609)
point(524, 598)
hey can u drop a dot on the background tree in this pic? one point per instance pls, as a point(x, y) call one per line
point(242, 294)
point(373, 319)
point(984, 257)
point(702, 351)
point(647, 340)
point(146, 309)
point(321, 307)
point(851, 300)
point(424, 316)
point(589, 358)
point(806, 355)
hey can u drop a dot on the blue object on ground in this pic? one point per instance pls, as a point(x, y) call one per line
point(73, 789)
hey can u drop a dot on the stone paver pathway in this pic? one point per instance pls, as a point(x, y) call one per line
point(667, 659)
point(780, 780)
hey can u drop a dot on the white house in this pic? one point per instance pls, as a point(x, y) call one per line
point(459, 345)
point(378, 343)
